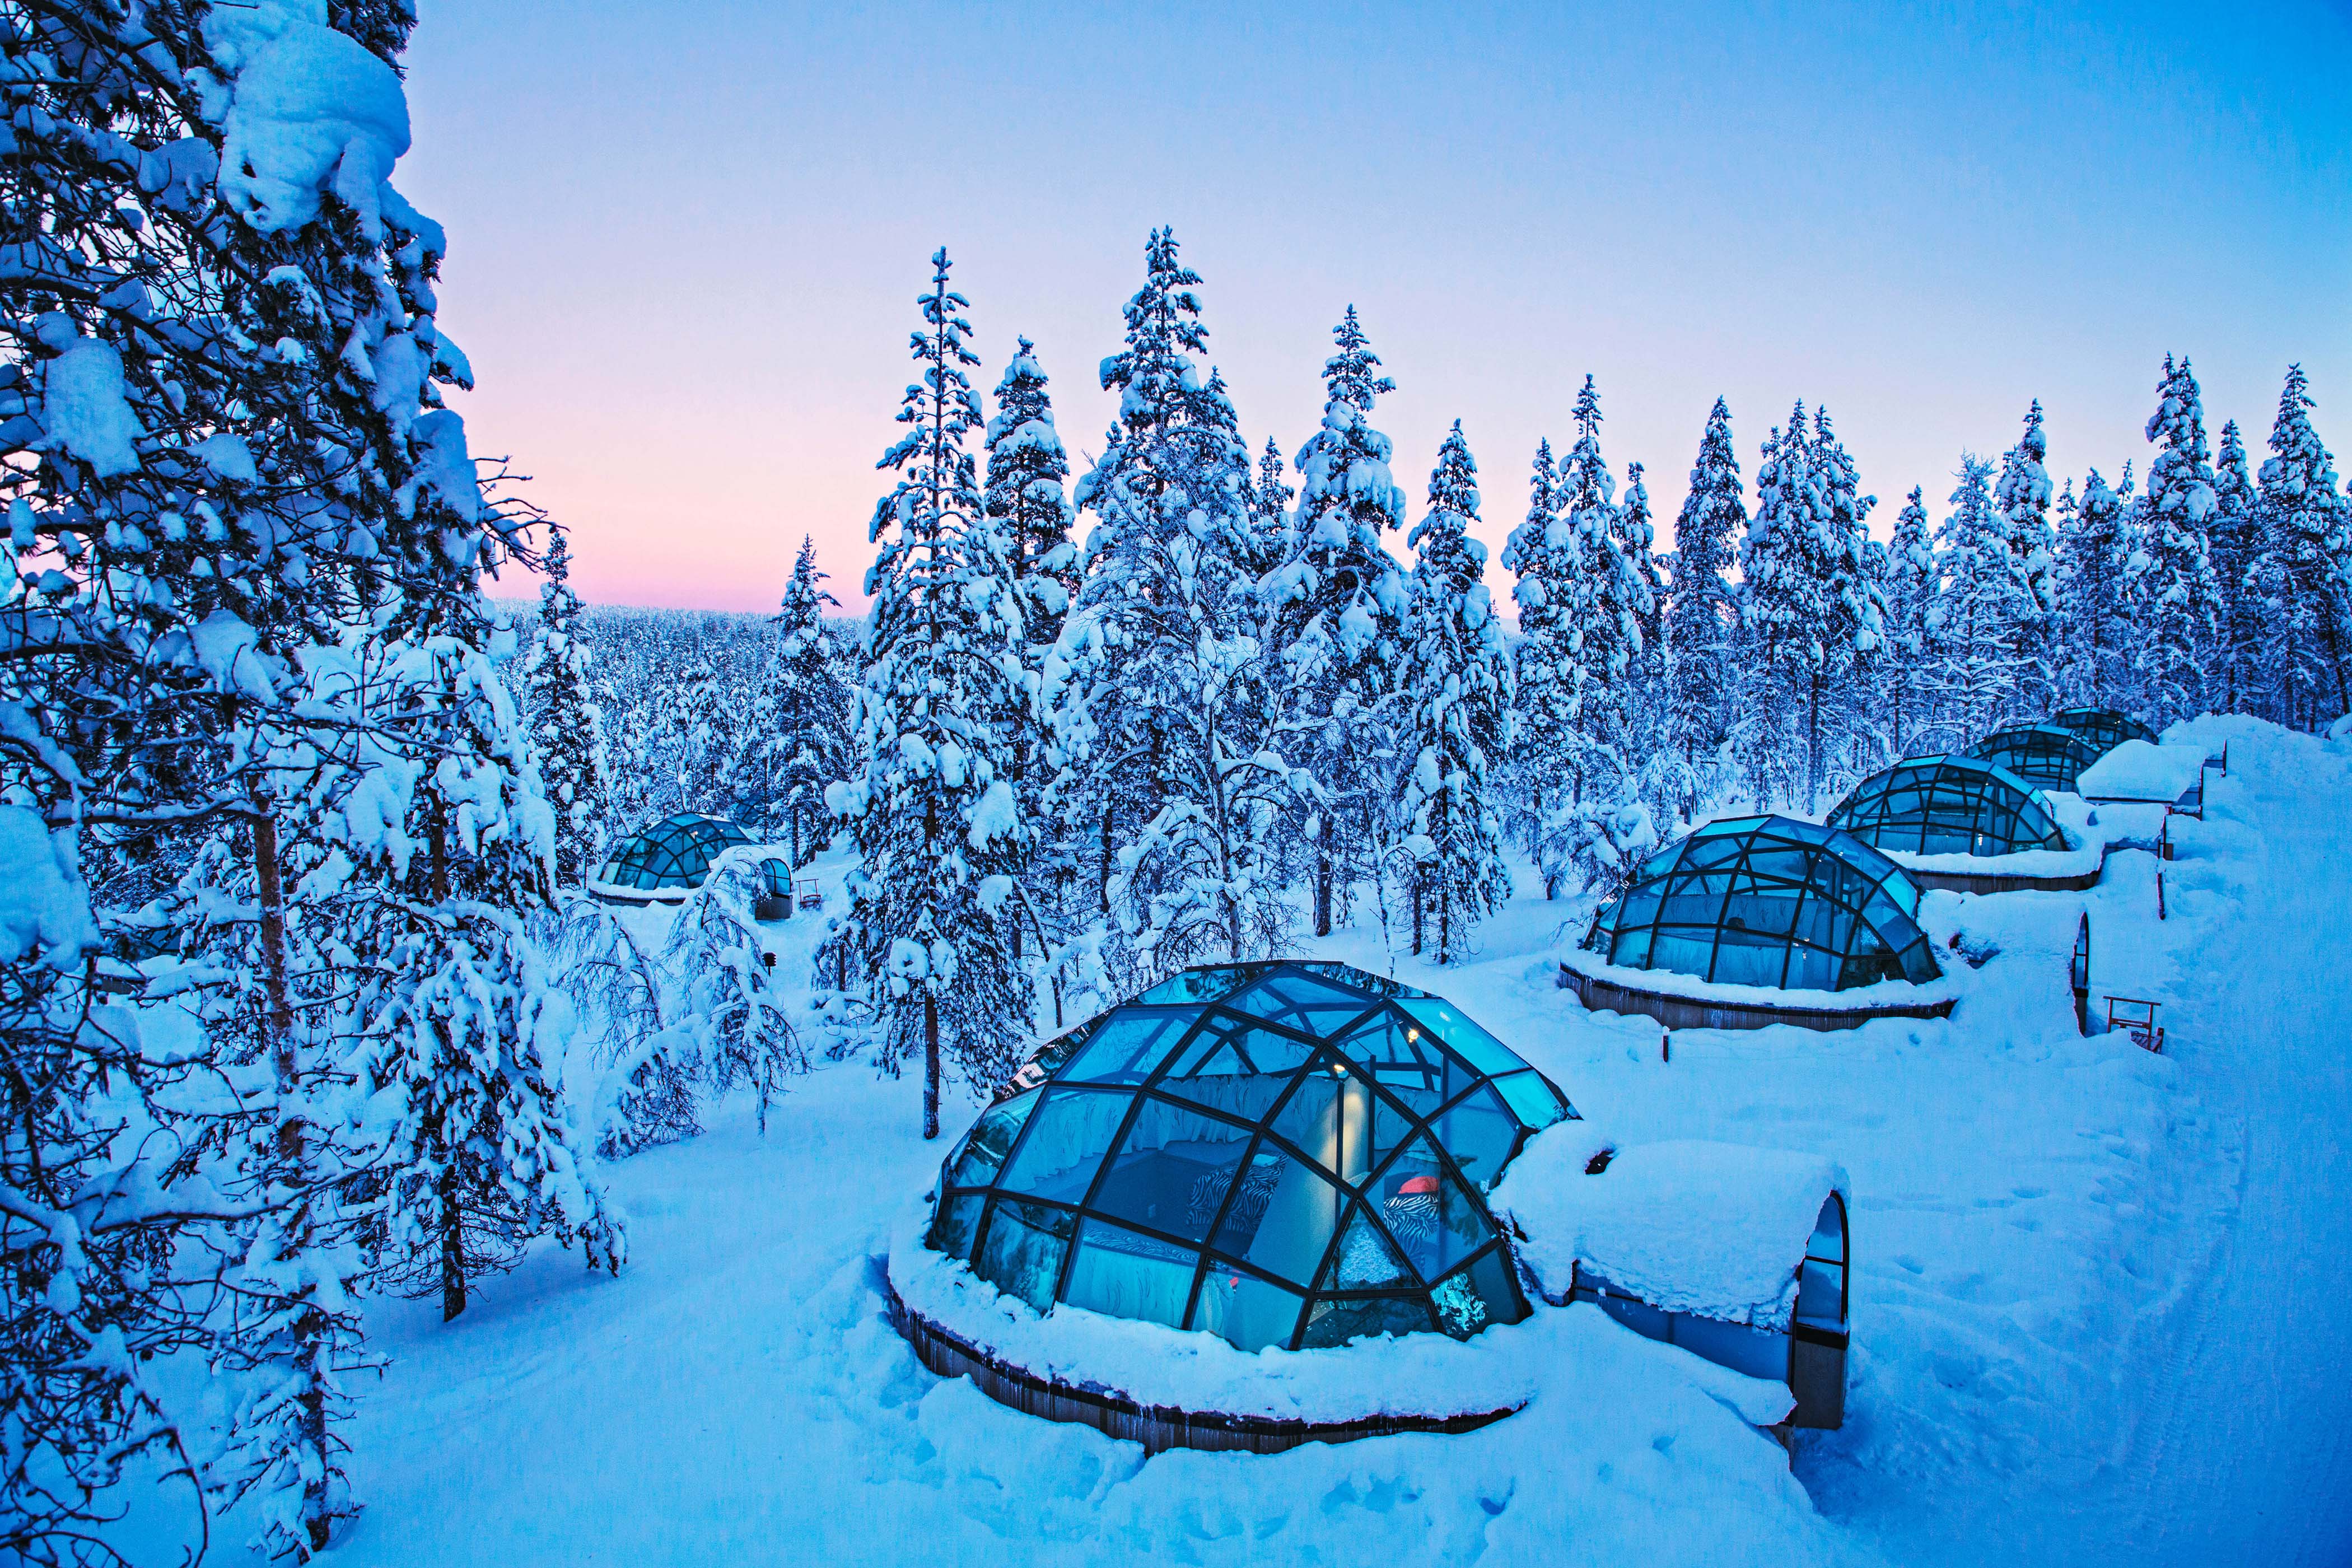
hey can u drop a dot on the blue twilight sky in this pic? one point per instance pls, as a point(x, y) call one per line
point(686, 238)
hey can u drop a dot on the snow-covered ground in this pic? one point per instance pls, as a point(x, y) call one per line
point(2098, 1304)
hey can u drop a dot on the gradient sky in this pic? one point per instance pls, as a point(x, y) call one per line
point(684, 240)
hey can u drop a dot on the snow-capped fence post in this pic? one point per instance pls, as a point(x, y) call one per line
point(1665, 1045)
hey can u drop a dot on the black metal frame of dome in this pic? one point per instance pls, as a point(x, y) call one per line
point(1949, 805)
point(665, 862)
point(2046, 754)
point(2102, 727)
point(1286, 1154)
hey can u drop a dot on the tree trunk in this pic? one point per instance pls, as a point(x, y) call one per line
point(1106, 858)
point(453, 1245)
point(1323, 876)
point(1813, 743)
point(1445, 926)
point(930, 1065)
point(1420, 892)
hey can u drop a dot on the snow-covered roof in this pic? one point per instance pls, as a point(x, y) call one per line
point(2137, 770)
point(1715, 1229)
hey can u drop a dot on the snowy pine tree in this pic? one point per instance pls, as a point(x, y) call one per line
point(1980, 621)
point(2094, 549)
point(1702, 612)
point(2230, 534)
point(1913, 589)
point(1269, 510)
point(1543, 659)
point(1166, 706)
point(2302, 567)
point(1025, 496)
point(2022, 497)
point(808, 711)
point(1458, 716)
point(2174, 595)
point(940, 833)
point(1335, 610)
point(567, 725)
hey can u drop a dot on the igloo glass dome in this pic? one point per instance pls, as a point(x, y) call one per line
point(1770, 902)
point(1949, 805)
point(665, 862)
point(2102, 727)
point(1290, 1154)
point(2046, 754)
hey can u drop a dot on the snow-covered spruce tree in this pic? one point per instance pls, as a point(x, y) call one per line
point(807, 704)
point(1167, 709)
point(1457, 719)
point(1702, 613)
point(1913, 587)
point(1978, 626)
point(2302, 567)
point(2231, 533)
point(1269, 510)
point(2022, 499)
point(461, 1036)
point(2094, 549)
point(1335, 611)
point(1026, 499)
point(1545, 684)
point(1812, 612)
point(2173, 594)
point(567, 726)
point(941, 833)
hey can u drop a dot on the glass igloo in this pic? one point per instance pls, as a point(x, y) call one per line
point(1950, 806)
point(2044, 754)
point(1288, 1154)
point(2102, 727)
point(665, 862)
point(1772, 901)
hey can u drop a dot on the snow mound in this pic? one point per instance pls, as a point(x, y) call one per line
point(311, 110)
point(1690, 988)
point(85, 409)
point(1715, 1229)
point(2140, 770)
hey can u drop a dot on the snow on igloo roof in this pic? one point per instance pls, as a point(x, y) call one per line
point(1770, 902)
point(1285, 1154)
point(674, 853)
point(2045, 754)
point(1949, 805)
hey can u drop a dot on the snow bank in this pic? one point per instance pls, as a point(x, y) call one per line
point(1690, 988)
point(1501, 1368)
point(2139, 770)
point(1717, 1229)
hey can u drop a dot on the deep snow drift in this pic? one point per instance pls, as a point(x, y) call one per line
point(2097, 1296)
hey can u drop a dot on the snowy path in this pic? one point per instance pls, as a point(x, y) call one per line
point(2248, 1457)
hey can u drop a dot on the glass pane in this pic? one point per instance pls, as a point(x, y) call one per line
point(1743, 958)
point(990, 1136)
point(1456, 1027)
point(1301, 1001)
point(1405, 1059)
point(1684, 953)
point(1066, 1141)
point(1391, 1127)
point(1810, 969)
point(1248, 1311)
point(1287, 1229)
point(1336, 1322)
point(1126, 1048)
point(1328, 1117)
point(1536, 1101)
point(1436, 1223)
point(1479, 1131)
point(1122, 1274)
point(1632, 949)
point(1820, 1290)
point(952, 1226)
point(1171, 1170)
point(1490, 1282)
point(1829, 1234)
point(1364, 1260)
point(1020, 1253)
